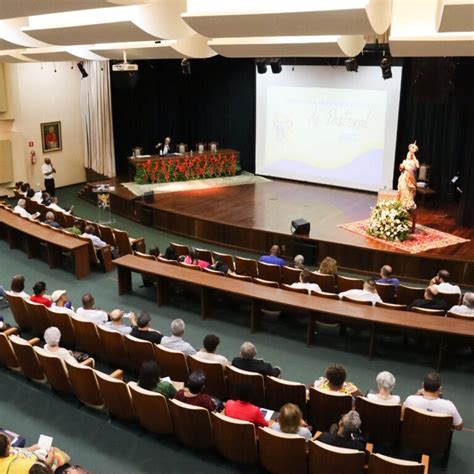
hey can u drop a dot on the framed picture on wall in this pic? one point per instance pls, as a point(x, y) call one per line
point(51, 136)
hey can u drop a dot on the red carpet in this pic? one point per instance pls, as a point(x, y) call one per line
point(423, 239)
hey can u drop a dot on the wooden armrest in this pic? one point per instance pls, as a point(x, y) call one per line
point(138, 239)
point(317, 435)
point(10, 331)
point(89, 362)
point(369, 447)
point(34, 341)
point(117, 374)
point(425, 460)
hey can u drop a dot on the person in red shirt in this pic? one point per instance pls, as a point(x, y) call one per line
point(39, 289)
point(242, 408)
point(193, 393)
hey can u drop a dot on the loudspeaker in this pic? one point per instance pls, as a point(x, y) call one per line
point(300, 226)
point(149, 197)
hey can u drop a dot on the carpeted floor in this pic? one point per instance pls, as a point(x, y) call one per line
point(109, 447)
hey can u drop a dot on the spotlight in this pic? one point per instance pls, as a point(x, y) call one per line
point(80, 66)
point(185, 66)
point(275, 64)
point(351, 64)
point(261, 66)
point(386, 66)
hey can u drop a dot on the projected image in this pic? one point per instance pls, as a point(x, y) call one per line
point(330, 135)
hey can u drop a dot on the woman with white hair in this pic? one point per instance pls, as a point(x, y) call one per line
point(467, 307)
point(386, 383)
point(52, 336)
point(298, 262)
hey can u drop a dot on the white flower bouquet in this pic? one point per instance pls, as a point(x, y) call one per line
point(389, 220)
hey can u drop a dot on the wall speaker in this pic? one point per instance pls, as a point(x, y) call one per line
point(149, 197)
point(300, 226)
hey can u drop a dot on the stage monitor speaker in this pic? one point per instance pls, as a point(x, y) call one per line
point(149, 197)
point(300, 226)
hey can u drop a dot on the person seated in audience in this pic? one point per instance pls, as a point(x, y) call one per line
point(24, 188)
point(3, 325)
point(149, 379)
point(20, 209)
point(335, 381)
point(17, 287)
point(219, 266)
point(193, 393)
point(45, 199)
point(328, 266)
point(429, 398)
point(273, 258)
point(77, 227)
point(298, 262)
point(154, 250)
point(243, 408)
point(89, 312)
point(97, 241)
point(431, 300)
point(54, 205)
point(369, 293)
point(170, 253)
point(52, 336)
point(49, 219)
point(175, 341)
point(305, 282)
point(61, 303)
point(141, 329)
point(208, 352)
point(39, 292)
point(386, 384)
point(386, 276)
point(290, 421)
point(34, 196)
point(116, 322)
point(191, 259)
point(17, 186)
point(247, 361)
point(442, 283)
point(344, 434)
point(467, 306)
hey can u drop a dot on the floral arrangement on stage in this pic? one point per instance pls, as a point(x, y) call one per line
point(187, 168)
point(389, 220)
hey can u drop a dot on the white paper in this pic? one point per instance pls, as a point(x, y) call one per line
point(45, 442)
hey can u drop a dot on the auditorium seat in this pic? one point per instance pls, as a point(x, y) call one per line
point(327, 283)
point(431, 312)
point(68, 220)
point(166, 261)
point(87, 336)
point(386, 292)
point(236, 276)
point(139, 351)
point(173, 363)
point(326, 408)
point(55, 371)
point(127, 245)
point(7, 354)
point(216, 384)
point(269, 283)
point(286, 287)
point(352, 300)
point(63, 322)
point(324, 294)
point(381, 464)
point(213, 272)
point(192, 424)
point(151, 409)
point(205, 255)
point(290, 275)
point(190, 266)
point(281, 453)
point(236, 376)
point(27, 358)
point(396, 306)
point(234, 439)
point(278, 392)
point(246, 266)
point(452, 299)
point(268, 271)
point(105, 253)
point(107, 235)
point(326, 459)
point(180, 249)
point(407, 294)
point(380, 422)
point(465, 317)
point(347, 283)
point(226, 259)
point(19, 311)
point(85, 384)
point(39, 317)
point(114, 347)
point(146, 256)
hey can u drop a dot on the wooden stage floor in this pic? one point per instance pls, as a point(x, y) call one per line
point(252, 217)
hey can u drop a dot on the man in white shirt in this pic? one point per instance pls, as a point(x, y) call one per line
point(97, 241)
point(467, 307)
point(165, 147)
point(429, 399)
point(116, 322)
point(369, 293)
point(59, 299)
point(208, 352)
point(34, 196)
point(90, 313)
point(56, 207)
point(175, 341)
point(48, 171)
point(306, 283)
point(441, 282)
point(20, 209)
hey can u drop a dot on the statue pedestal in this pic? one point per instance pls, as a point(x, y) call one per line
point(387, 195)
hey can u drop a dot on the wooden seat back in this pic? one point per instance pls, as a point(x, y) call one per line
point(146, 256)
point(352, 300)
point(452, 299)
point(139, 351)
point(93, 258)
point(407, 294)
point(122, 242)
point(281, 453)
point(116, 396)
point(386, 292)
point(326, 408)
point(151, 409)
point(59, 218)
point(165, 260)
point(63, 322)
point(87, 336)
point(173, 363)
point(290, 275)
point(246, 266)
point(236, 276)
point(380, 422)
point(278, 392)
point(115, 350)
point(236, 376)
point(19, 311)
point(55, 370)
point(399, 307)
point(84, 384)
point(465, 317)
point(348, 283)
point(107, 235)
point(203, 254)
point(68, 220)
point(39, 317)
point(180, 249)
point(323, 294)
point(269, 283)
point(190, 266)
point(327, 283)
point(27, 359)
point(216, 383)
point(226, 259)
point(7, 354)
point(431, 312)
point(192, 424)
point(213, 272)
point(269, 271)
point(286, 287)
point(326, 459)
point(234, 439)
point(380, 464)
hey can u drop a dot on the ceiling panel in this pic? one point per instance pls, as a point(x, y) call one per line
point(13, 57)
point(51, 56)
point(433, 46)
point(163, 50)
point(455, 15)
point(4, 44)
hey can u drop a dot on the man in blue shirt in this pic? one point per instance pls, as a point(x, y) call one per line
point(386, 276)
point(273, 258)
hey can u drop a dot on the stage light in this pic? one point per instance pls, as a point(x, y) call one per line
point(185, 66)
point(275, 64)
point(261, 66)
point(386, 66)
point(351, 64)
point(80, 66)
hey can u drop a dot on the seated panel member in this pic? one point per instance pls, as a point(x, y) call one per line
point(166, 147)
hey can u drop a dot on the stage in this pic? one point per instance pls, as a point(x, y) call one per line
point(255, 216)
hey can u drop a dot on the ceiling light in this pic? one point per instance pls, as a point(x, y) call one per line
point(185, 66)
point(80, 66)
point(275, 64)
point(261, 66)
point(351, 64)
point(386, 66)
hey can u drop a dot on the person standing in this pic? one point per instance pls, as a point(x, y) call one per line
point(48, 174)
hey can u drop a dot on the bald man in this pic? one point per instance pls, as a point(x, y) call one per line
point(386, 276)
point(273, 258)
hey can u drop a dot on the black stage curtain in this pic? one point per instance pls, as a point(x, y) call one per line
point(216, 102)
